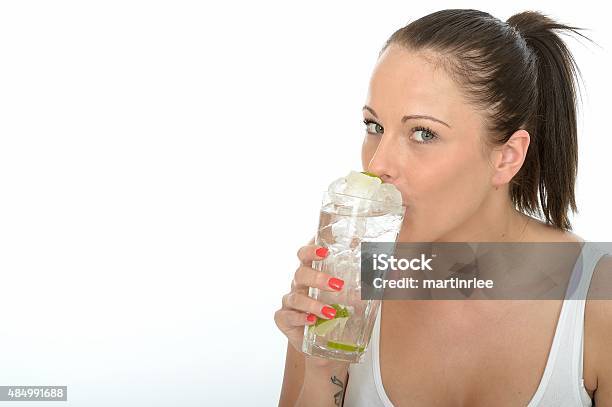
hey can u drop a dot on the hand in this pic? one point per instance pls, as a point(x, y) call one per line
point(298, 309)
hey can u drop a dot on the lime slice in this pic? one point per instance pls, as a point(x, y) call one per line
point(329, 325)
point(372, 175)
point(349, 347)
point(324, 326)
point(341, 312)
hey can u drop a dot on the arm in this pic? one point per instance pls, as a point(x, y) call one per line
point(324, 385)
point(293, 379)
point(308, 383)
point(599, 316)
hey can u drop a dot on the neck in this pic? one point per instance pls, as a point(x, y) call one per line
point(496, 220)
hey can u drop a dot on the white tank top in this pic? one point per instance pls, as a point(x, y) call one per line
point(562, 384)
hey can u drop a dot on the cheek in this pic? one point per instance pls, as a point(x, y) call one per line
point(442, 195)
point(451, 184)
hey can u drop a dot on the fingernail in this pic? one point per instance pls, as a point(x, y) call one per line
point(335, 283)
point(329, 312)
point(321, 251)
point(311, 317)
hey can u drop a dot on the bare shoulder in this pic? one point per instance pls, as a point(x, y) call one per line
point(599, 300)
point(542, 232)
point(601, 282)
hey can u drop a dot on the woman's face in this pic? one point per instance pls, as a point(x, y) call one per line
point(439, 163)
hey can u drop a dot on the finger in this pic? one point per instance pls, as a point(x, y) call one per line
point(286, 318)
point(299, 289)
point(307, 254)
point(308, 277)
point(304, 303)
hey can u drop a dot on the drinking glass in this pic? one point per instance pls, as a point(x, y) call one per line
point(345, 221)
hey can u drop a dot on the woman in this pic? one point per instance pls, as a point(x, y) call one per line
point(474, 120)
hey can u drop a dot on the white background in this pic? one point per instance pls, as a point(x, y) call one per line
point(162, 161)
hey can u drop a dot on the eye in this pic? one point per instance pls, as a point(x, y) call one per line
point(373, 129)
point(424, 135)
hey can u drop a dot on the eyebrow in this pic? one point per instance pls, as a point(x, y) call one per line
point(412, 116)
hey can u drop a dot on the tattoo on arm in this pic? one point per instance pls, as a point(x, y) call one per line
point(340, 394)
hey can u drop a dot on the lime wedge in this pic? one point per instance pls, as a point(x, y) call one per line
point(349, 347)
point(341, 312)
point(329, 325)
point(371, 175)
point(324, 326)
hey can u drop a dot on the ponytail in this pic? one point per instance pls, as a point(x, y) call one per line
point(554, 145)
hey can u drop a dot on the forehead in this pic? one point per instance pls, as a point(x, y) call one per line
point(408, 82)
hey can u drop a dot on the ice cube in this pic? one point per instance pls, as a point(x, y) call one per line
point(338, 185)
point(381, 226)
point(347, 228)
point(337, 195)
point(344, 268)
point(361, 185)
point(338, 251)
point(388, 194)
point(344, 192)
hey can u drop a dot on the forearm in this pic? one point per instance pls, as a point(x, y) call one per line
point(323, 385)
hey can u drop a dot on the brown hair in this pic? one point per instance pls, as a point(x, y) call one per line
point(523, 76)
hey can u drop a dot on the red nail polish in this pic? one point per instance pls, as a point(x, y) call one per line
point(329, 312)
point(321, 251)
point(311, 317)
point(335, 283)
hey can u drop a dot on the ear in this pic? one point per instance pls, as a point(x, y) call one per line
point(508, 159)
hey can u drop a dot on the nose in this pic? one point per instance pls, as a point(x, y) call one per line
point(384, 161)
